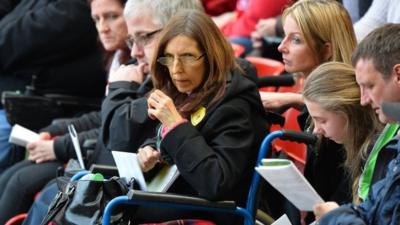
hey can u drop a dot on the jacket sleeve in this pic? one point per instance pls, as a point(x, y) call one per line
point(85, 122)
point(375, 17)
point(5, 7)
point(215, 161)
point(124, 112)
point(39, 32)
point(346, 214)
point(87, 127)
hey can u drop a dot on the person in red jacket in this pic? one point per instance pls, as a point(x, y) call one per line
point(217, 7)
point(248, 13)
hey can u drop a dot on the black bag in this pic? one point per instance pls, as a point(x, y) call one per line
point(83, 202)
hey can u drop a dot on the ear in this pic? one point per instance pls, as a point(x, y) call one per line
point(327, 51)
point(396, 73)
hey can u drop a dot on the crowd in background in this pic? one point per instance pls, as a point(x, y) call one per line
point(174, 89)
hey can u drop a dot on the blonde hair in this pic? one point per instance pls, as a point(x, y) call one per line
point(321, 22)
point(333, 86)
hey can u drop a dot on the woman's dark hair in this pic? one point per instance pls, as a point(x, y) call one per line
point(107, 55)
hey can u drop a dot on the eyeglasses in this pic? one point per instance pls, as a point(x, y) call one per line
point(141, 40)
point(184, 59)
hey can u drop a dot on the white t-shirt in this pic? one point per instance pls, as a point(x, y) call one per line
point(381, 12)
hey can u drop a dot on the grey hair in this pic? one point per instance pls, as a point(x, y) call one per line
point(161, 10)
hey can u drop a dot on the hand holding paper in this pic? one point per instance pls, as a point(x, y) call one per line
point(128, 167)
point(148, 157)
point(41, 150)
point(22, 136)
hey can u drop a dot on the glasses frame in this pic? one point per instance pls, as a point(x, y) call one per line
point(142, 40)
point(166, 60)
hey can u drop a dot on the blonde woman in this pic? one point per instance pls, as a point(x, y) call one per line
point(316, 31)
point(337, 114)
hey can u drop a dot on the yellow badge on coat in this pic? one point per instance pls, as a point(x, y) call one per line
point(198, 116)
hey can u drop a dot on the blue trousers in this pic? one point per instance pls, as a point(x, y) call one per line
point(5, 130)
point(39, 208)
point(244, 41)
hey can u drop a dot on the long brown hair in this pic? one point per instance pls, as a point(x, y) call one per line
point(219, 60)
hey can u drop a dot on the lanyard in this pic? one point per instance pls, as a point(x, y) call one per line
point(366, 177)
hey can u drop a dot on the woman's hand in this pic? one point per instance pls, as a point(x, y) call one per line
point(41, 150)
point(148, 157)
point(278, 101)
point(323, 208)
point(161, 107)
point(264, 27)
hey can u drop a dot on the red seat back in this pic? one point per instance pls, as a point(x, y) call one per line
point(294, 150)
point(266, 67)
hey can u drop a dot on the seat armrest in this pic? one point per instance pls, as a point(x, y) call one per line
point(179, 199)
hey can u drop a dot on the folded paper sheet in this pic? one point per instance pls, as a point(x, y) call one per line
point(128, 167)
point(283, 175)
point(22, 136)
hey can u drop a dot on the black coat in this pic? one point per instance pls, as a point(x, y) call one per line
point(54, 40)
point(216, 158)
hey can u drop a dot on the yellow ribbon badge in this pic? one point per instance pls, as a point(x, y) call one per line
point(198, 116)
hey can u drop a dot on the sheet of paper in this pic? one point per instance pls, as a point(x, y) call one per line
point(22, 136)
point(75, 143)
point(128, 167)
point(164, 179)
point(283, 220)
point(283, 175)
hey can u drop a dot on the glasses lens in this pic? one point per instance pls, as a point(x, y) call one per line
point(129, 43)
point(141, 41)
point(164, 61)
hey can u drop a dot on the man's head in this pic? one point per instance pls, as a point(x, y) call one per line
point(145, 19)
point(377, 66)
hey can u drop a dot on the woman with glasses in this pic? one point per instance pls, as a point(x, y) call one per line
point(211, 115)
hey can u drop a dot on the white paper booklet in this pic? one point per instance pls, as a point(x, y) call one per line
point(22, 136)
point(283, 220)
point(128, 167)
point(283, 175)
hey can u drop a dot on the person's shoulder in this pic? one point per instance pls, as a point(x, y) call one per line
point(248, 69)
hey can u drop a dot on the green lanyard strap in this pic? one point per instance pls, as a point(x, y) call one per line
point(388, 133)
